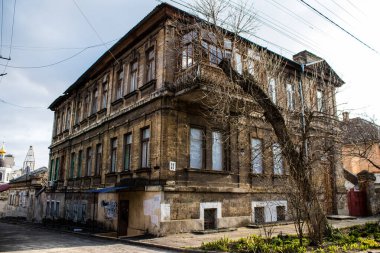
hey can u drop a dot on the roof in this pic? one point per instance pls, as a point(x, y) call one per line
point(159, 13)
point(32, 174)
point(358, 130)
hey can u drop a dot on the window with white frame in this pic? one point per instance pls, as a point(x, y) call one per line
point(227, 48)
point(196, 148)
point(187, 54)
point(256, 156)
point(217, 151)
point(278, 166)
point(290, 96)
point(272, 90)
point(145, 147)
point(320, 102)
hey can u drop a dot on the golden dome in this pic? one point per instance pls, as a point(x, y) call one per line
point(2, 150)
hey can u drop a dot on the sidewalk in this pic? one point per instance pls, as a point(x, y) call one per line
point(186, 240)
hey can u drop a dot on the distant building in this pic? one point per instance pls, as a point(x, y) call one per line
point(7, 169)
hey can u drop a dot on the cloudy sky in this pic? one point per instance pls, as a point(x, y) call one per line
point(53, 44)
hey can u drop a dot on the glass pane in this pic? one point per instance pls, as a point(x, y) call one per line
point(217, 151)
point(256, 156)
point(196, 146)
point(146, 133)
point(277, 160)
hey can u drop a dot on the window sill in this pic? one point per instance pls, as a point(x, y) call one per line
point(126, 172)
point(130, 94)
point(223, 172)
point(66, 131)
point(148, 84)
point(83, 121)
point(253, 174)
point(117, 101)
point(102, 111)
point(111, 174)
point(141, 170)
point(92, 116)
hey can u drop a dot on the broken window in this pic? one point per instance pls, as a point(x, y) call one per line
point(113, 154)
point(145, 147)
point(278, 167)
point(256, 156)
point(196, 148)
point(217, 151)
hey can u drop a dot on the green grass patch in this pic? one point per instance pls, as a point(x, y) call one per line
point(357, 238)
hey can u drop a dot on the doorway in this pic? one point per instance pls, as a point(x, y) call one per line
point(209, 218)
point(123, 217)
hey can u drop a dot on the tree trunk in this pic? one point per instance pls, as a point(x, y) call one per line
point(299, 168)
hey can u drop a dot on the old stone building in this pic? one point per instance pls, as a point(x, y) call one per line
point(135, 149)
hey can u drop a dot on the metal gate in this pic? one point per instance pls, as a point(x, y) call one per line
point(210, 218)
point(357, 203)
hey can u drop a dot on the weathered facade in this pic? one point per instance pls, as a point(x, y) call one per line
point(135, 149)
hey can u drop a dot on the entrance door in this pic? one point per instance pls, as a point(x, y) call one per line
point(210, 218)
point(123, 217)
point(357, 203)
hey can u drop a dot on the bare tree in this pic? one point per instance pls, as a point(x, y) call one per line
point(244, 97)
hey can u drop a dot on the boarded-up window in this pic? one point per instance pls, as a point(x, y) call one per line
point(196, 148)
point(256, 156)
point(217, 151)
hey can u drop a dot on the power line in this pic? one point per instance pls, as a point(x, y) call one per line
point(334, 23)
point(93, 28)
point(344, 9)
point(20, 106)
point(54, 63)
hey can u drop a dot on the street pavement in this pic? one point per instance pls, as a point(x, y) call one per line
point(24, 238)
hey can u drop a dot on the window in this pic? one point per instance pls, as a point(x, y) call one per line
point(51, 171)
point(259, 215)
point(187, 56)
point(68, 117)
point(217, 151)
point(63, 121)
point(57, 124)
point(213, 53)
point(94, 107)
point(56, 210)
point(238, 63)
point(77, 114)
point(119, 85)
point(88, 161)
point(104, 92)
point(145, 147)
point(278, 167)
point(251, 61)
point(280, 213)
point(79, 166)
point(133, 76)
point(272, 90)
point(196, 148)
point(62, 168)
point(150, 65)
point(187, 49)
point(47, 208)
point(98, 159)
point(127, 151)
point(72, 165)
point(227, 48)
point(113, 154)
point(290, 96)
point(56, 169)
point(1, 176)
point(320, 101)
point(86, 105)
point(256, 156)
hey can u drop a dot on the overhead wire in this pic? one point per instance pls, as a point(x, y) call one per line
point(332, 12)
point(57, 62)
point(20, 106)
point(93, 28)
point(337, 25)
point(344, 9)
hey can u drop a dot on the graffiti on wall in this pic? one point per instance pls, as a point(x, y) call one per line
point(110, 209)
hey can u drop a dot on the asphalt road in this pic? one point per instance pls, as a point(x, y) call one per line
point(24, 238)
